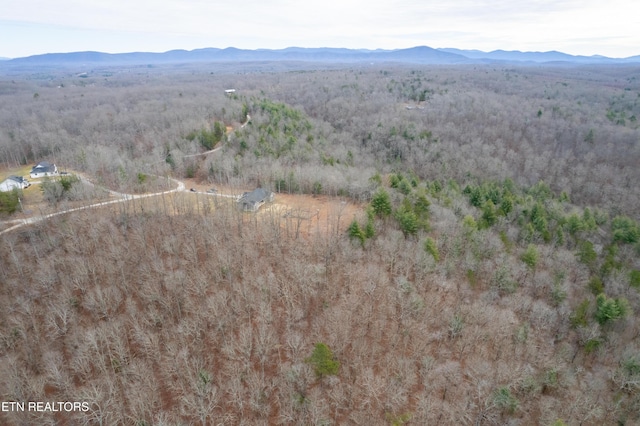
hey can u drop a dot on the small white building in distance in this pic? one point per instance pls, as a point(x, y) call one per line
point(14, 182)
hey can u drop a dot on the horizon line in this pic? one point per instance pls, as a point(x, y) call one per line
point(441, 49)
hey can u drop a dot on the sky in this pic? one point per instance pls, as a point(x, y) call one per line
point(579, 27)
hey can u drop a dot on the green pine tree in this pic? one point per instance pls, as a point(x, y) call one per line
point(381, 203)
point(355, 232)
point(530, 257)
point(323, 361)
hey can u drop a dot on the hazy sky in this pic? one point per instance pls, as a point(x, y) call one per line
point(579, 27)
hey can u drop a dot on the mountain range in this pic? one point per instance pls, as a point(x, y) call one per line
point(417, 55)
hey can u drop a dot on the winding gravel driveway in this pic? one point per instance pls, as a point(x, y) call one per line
point(180, 187)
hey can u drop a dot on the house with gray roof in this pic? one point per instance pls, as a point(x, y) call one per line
point(43, 169)
point(251, 201)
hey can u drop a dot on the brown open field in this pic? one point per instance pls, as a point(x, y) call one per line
point(307, 213)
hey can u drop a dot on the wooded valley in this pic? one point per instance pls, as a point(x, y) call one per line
point(491, 274)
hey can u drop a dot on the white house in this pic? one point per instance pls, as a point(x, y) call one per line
point(14, 182)
point(43, 169)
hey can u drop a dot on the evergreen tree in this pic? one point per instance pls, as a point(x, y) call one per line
point(530, 257)
point(404, 186)
point(610, 309)
point(559, 239)
point(574, 224)
point(370, 229)
point(381, 203)
point(354, 231)
point(587, 254)
point(323, 361)
point(407, 220)
point(539, 218)
point(588, 219)
point(9, 201)
point(475, 196)
point(489, 216)
point(625, 230)
point(506, 205)
point(421, 205)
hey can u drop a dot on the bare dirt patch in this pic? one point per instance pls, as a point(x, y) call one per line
point(314, 214)
point(302, 214)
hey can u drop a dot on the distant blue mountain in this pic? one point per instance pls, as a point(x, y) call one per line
point(417, 55)
point(537, 57)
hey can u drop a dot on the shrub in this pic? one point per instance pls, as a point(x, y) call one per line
point(579, 317)
point(317, 188)
point(558, 294)
point(503, 399)
point(627, 376)
point(592, 344)
point(550, 380)
point(503, 281)
point(469, 224)
point(190, 171)
point(431, 248)
point(455, 326)
point(142, 178)
point(596, 286)
point(68, 181)
point(634, 279)
point(55, 191)
point(398, 420)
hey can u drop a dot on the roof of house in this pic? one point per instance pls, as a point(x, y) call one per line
point(255, 196)
point(43, 166)
point(18, 179)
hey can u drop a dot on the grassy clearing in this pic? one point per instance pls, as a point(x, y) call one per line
point(5, 172)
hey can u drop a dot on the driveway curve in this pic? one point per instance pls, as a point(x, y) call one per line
point(121, 197)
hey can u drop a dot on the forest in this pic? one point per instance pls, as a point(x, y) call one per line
point(477, 260)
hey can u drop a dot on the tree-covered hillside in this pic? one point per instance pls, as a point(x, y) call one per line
point(491, 274)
